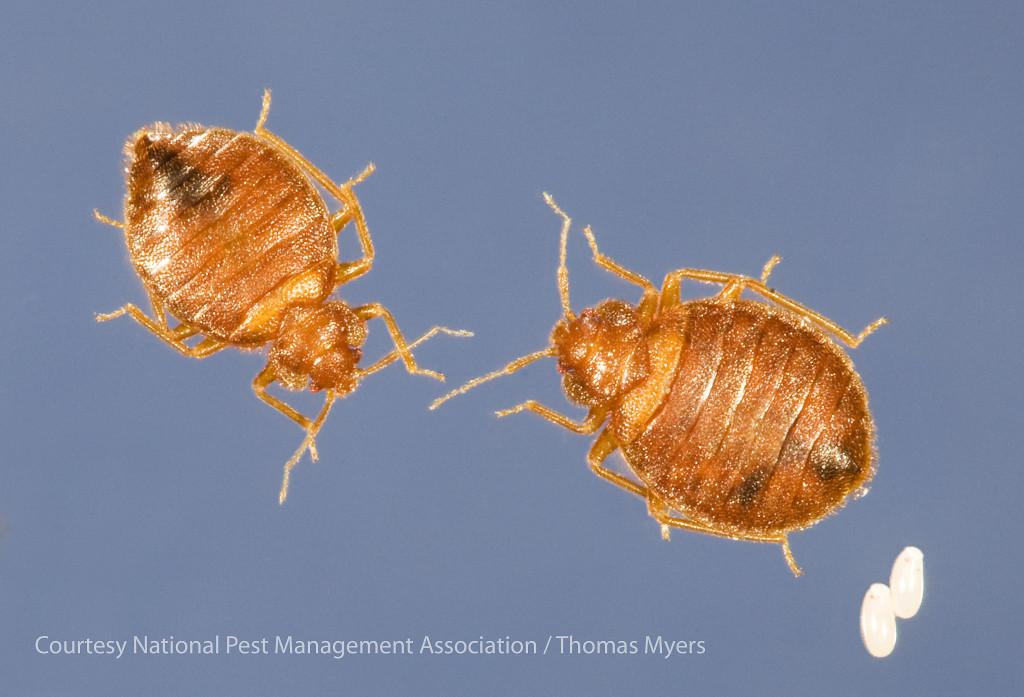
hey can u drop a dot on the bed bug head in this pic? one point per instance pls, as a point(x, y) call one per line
point(319, 346)
point(601, 353)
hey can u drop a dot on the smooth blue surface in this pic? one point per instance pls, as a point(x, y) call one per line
point(877, 147)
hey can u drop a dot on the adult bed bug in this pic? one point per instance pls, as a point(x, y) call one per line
point(741, 419)
point(230, 236)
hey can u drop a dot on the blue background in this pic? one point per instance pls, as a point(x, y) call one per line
point(877, 147)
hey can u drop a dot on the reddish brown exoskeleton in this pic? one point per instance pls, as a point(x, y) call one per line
point(229, 235)
point(740, 419)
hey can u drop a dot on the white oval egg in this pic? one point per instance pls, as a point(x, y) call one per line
point(907, 582)
point(877, 621)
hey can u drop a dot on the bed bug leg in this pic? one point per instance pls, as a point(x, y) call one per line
point(612, 266)
point(353, 212)
point(264, 110)
point(373, 310)
point(790, 560)
point(825, 323)
point(310, 426)
point(604, 446)
point(733, 284)
point(587, 426)
point(648, 304)
point(870, 329)
point(660, 513)
point(769, 265)
point(657, 510)
point(815, 317)
point(670, 288)
point(734, 288)
point(107, 221)
point(259, 386)
point(309, 442)
point(397, 355)
point(182, 331)
point(173, 337)
point(736, 284)
point(344, 193)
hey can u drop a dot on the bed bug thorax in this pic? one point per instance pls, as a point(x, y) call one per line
point(230, 235)
point(740, 419)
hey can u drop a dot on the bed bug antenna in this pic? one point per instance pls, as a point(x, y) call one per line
point(563, 294)
point(563, 269)
point(512, 367)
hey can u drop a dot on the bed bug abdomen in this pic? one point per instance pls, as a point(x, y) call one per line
point(217, 220)
point(765, 427)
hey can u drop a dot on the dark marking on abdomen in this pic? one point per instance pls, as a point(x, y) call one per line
point(747, 492)
point(187, 183)
point(837, 464)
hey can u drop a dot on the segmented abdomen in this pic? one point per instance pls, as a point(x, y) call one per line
point(765, 427)
point(216, 220)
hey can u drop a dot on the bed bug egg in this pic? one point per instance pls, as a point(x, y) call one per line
point(231, 237)
point(738, 418)
point(907, 582)
point(877, 621)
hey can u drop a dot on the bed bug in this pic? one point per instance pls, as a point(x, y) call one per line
point(740, 418)
point(230, 236)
